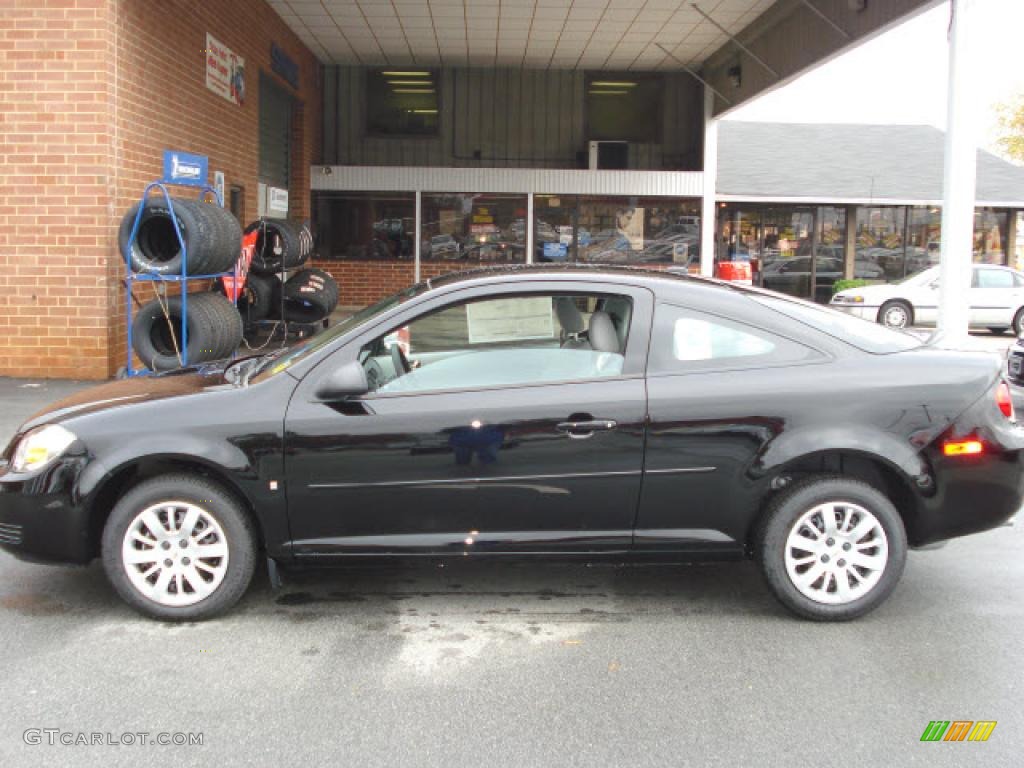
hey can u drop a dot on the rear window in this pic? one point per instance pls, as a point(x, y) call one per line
point(863, 334)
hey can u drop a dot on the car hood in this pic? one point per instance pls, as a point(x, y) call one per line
point(872, 293)
point(127, 392)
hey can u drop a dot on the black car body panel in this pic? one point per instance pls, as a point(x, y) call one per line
point(692, 459)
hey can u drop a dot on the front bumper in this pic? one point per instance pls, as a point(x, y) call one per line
point(864, 312)
point(42, 517)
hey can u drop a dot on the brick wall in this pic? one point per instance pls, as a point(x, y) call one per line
point(56, 82)
point(364, 282)
point(91, 92)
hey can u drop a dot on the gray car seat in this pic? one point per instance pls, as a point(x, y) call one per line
point(602, 334)
point(571, 320)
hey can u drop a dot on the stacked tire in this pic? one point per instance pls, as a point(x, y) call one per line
point(212, 243)
point(281, 245)
point(309, 296)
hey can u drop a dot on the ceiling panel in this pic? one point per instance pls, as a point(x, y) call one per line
point(529, 33)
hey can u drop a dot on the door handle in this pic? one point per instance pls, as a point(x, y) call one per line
point(579, 430)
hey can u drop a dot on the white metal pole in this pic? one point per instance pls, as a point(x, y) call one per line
point(529, 227)
point(708, 211)
point(960, 167)
point(419, 236)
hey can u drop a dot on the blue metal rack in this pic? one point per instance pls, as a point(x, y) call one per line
point(153, 277)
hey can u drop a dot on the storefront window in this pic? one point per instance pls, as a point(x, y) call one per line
point(990, 236)
point(617, 230)
point(402, 102)
point(365, 226)
point(474, 228)
point(624, 106)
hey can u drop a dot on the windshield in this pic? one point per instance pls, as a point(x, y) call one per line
point(863, 334)
point(287, 357)
point(920, 278)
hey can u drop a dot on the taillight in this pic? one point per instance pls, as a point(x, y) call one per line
point(1004, 400)
point(962, 448)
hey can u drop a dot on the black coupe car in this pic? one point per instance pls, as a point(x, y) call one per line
point(591, 412)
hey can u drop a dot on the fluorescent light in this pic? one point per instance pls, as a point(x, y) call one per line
point(613, 83)
point(406, 74)
point(423, 111)
point(410, 82)
point(413, 90)
point(609, 93)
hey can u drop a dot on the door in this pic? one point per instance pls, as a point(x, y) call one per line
point(994, 296)
point(503, 423)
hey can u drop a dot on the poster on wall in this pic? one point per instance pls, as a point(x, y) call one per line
point(225, 71)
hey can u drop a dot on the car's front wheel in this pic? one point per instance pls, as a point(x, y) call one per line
point(179, 548)
point(832, 548)
point(896, 314)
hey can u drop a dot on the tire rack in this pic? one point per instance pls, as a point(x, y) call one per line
point(183, 279)
point(302, 330)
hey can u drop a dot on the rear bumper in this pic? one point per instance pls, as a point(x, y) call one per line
point(974, 493)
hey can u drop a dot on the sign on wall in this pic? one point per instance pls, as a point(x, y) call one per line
point(277, 199)
point(225, 71)
point(185, 168)
point(284, 65)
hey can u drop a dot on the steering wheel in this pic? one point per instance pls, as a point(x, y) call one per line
point(399, 360)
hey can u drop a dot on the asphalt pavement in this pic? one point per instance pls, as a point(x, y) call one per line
point(512, 665)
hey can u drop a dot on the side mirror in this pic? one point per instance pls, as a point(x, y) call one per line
point(347, 381)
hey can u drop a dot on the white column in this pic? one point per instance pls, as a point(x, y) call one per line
point(419, 236)
point(960, 168)
point(529, 227)
point(708, 211)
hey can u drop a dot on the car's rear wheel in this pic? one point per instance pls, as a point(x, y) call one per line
point(832, 548)
point(179, 548)
point(896, 314)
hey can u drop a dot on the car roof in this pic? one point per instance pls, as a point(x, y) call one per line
point(581, 271)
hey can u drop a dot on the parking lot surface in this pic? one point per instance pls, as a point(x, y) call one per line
point(516, 665)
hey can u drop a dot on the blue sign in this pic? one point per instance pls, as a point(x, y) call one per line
point(284, 65)
point(185, 168)
point(555, 251)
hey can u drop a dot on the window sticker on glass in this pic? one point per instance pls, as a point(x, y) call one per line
point(695, 339)
point(510, 320)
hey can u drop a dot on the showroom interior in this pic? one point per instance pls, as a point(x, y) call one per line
point(415, 138)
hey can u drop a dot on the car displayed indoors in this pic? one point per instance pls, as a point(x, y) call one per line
point(530, 412)
point(996, 300)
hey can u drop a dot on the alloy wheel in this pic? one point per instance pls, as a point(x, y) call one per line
point(175, 553)
point(836, 553)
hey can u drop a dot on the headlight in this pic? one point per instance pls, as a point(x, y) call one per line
point(41, 446)
point(847, 299)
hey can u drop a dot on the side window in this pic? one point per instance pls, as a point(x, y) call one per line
point(692, 341)
point(994, 278)
point(504, 341)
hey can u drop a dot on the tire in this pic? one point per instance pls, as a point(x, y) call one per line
point(226, 241)
point(225, 522)
point(998, 331)
point(890, 312)
point(792, 514)
point(309, 296)
point(214, 332)
point(1018, 323)
point(256, 300)
point(210, 241)
point(280, 245)
point(228, 325)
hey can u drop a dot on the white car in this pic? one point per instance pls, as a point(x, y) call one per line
point(996, 300)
